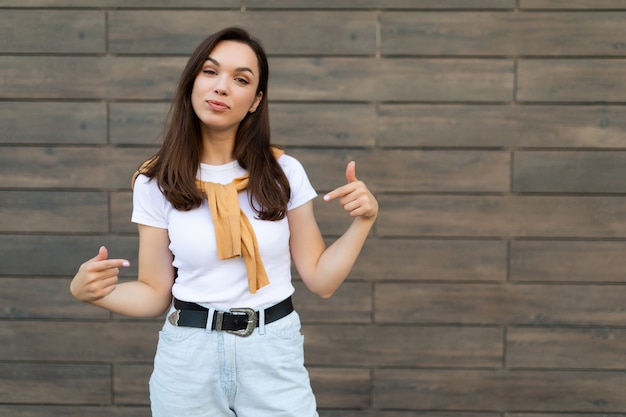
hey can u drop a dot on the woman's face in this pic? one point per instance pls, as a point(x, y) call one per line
point(225, 88)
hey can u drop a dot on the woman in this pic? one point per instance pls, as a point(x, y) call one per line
point(221, 213)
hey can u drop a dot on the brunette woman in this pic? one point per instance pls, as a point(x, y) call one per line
point(221, 213)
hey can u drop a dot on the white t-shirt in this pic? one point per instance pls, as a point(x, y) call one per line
point(202, 277)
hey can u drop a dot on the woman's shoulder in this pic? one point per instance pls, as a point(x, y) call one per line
point(290, 163)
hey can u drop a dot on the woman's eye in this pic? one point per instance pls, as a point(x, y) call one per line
point(242, 81)
point(209, 71)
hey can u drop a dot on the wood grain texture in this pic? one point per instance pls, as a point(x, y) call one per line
point(566, 348)
point(499, 304)
point(137, 123)
point(42, 298)
point(74, 123)
point(323, 124)
point(490, 131)
point(384, 260)
point(410, 79)
point(178, 32)
point(33, 383)
point(58, 31)
point(569, 172)
point(168, 4)
point(70, 167)
point(90, 342)
point(503, 34)
point(568, 261)
point(401, 346)
point(498, 126)
point(53, 211)
point(573, 4)
point(503, 216)
point(60, 254)
point(499, 390)
point(73, 411)
point(573, 80)
point(85, 77)
point(384, 4)
point(414, 171)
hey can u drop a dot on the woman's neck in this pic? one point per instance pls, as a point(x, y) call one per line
point(217, 148)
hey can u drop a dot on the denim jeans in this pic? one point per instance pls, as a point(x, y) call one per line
point(204, 373)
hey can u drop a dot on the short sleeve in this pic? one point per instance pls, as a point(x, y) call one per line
point(301, 189)
point(149, 203)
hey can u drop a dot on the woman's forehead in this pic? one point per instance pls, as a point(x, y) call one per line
point(234, 54)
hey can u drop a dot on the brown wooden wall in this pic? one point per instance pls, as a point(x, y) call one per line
point(493, 133)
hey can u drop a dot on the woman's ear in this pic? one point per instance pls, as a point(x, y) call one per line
point(256, 103)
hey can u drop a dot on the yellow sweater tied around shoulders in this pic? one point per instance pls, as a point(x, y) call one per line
point(234, 234)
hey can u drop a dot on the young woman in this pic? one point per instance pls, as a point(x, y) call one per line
point(221, 213)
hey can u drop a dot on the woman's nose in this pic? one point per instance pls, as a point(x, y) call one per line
point(221, 87)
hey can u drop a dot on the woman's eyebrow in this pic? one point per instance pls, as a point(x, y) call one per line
point(240, 69)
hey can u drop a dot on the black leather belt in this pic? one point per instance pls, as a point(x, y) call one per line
point(239, 321)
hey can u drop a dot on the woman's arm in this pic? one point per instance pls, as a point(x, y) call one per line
point(149, 296)
point(323, 269)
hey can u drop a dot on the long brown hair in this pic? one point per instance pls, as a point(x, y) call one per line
point(176, 163)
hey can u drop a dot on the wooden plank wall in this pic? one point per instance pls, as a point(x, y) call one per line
point(493, 133)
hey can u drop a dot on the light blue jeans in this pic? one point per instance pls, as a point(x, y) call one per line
point(204, 373)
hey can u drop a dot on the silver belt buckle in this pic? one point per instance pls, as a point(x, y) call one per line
point(251, 324)
point(173, 318)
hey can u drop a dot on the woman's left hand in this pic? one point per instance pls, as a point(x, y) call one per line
point(354, 197)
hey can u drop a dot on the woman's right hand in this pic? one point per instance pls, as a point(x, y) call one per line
point(97, 277)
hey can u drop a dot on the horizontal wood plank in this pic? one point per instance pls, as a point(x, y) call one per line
point(43, 298)
point(352, 303)
point(550, 348)
point(525, 34)
point(413, 171)
point(568, 261)
point(323, 124)
point(390, 345)
point(404, 413)
point(569, 172)
point(61, 255)
point(137, 123)
point(501, 126)
point(53, 31)
point(81, 342)
point(432, 260)
point(130, 384)
point(95, 78)
point(382, 4)
point(73, 411)
point(37, 383)
point(573, 4)
point(573, 80)
point(121, 211)
point(74, 123)
point(168, 4)
point(270, 4)
point(500, 304)
point(341, 387)
point(393, 80)
point(282, 32)
point(50, 211)
point(566, 392)
point(70, 167)
point(502, 216)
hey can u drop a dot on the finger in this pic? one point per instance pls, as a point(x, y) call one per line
point(343, 190)
point(351, 172)
point(103, 253)
point(108, 264)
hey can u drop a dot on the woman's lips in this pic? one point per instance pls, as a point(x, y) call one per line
point(217, 105)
